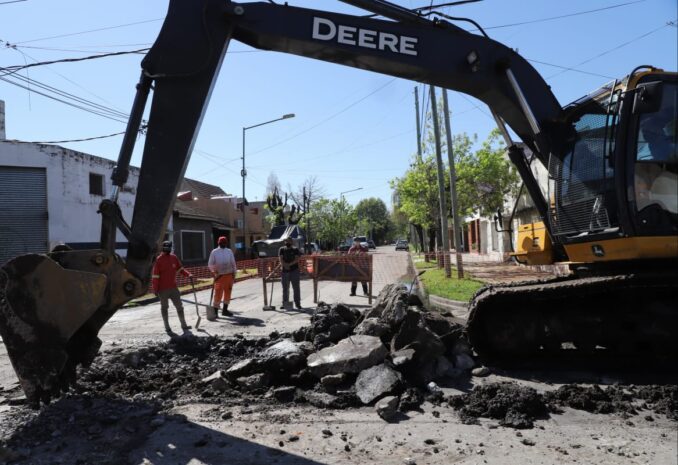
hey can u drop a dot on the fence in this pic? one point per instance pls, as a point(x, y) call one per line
point(344, 268)
point(246, 269)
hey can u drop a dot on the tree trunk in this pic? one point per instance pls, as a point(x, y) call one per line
point(432, 239)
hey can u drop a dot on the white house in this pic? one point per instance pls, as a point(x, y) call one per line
point(49, 195)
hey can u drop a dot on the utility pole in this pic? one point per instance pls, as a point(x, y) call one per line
point(414, 239)
point(441, 186)
point(416, 109)
point(307, 240)
point(456, 227)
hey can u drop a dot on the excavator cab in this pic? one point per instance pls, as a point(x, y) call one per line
point(615, 188)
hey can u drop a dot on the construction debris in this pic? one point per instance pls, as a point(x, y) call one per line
point(351, 355)
point(409, 356)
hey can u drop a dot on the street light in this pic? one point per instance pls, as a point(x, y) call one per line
point(243, 173)
point(341, 194)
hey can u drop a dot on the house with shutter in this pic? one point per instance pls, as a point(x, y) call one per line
point(49, 196)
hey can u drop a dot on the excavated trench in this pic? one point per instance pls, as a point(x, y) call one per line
point(395, 355)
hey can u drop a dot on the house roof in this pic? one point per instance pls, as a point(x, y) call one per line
point(187, 210)
point(201, 190)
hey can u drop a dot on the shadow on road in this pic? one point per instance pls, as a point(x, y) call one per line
point(179, 443)
point(109, 431)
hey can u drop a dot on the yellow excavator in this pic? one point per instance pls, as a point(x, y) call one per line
point(610, 212)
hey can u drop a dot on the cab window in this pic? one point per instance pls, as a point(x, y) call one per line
point(656, 170)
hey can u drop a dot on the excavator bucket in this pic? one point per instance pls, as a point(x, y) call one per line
point(50, 317)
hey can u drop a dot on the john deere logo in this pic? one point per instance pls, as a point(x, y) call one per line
point(598, 250)
point(327, 30)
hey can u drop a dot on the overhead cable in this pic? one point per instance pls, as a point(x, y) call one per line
point(90, 30)
point(617, 47)
point(15, 68)
point(77, 140)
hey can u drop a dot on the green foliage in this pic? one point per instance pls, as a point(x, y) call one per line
point(334, 220)
point(485, 178)
point(400, 223)
point(373, 218)
point(418, 193)
point(435, 282)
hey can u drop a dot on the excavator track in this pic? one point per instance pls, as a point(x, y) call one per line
point(621, 322)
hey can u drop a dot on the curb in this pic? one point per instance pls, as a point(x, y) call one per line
point(434, 302)
point(443, 304)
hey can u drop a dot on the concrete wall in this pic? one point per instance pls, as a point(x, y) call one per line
point(73, 216)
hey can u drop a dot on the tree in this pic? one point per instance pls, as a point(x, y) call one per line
point(305, 196)
point(280, 213)
point(399, 222)
point(334, 221)
point(272, 184)
point(486, 179)
point(418, 194)
point(373, 217)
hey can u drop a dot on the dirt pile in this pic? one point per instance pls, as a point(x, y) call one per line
point(623, 400)
point(344, 358)
point(355, 358)
point(166, 371)
point(518, 406)
point(513, 405)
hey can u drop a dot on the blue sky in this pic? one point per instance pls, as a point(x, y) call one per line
point(353, 128)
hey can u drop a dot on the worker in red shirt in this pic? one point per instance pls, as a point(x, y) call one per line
point(165, 270)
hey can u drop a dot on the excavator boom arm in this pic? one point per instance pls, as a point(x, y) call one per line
point(48, 332)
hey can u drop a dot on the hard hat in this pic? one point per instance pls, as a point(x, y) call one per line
point(167, 246)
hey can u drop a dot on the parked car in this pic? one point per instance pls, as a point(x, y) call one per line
point(343, 247)
point(371, 244)
point(362, 240)
point(312, 248)
point(402, 245)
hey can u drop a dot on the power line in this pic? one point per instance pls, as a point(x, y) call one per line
point(569, 69)
point(74, 83)
point(323, 121)
point(569, 15)
point(65, 98)
point(12, 1)
point(60, 100)
point(62, 93)
point(78, 140)
point(617, 47)
point(90, 30)
point(15, 68)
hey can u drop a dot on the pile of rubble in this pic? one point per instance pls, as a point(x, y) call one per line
point(518, 406)
point(390, 356)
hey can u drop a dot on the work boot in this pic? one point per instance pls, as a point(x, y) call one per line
point(182, 320)
point(365, 292)
point(224, 310)
point(298, 305)
point(352, 290)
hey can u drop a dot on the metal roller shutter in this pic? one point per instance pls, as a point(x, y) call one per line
point(23, 211)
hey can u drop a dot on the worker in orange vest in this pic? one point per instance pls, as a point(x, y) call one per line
point(222, 265)
point(164, 282)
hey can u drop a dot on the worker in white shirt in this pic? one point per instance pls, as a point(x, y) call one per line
point(222, 265)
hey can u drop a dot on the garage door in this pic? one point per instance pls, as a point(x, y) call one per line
point(23, 211)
